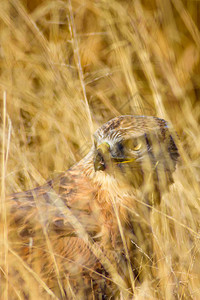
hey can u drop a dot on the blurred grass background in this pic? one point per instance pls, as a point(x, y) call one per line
point(66, 67)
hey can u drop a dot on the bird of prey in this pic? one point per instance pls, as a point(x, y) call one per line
point(74, 235)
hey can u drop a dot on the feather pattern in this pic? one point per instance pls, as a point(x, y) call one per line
point(73, 217)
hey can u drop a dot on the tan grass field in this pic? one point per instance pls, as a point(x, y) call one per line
point(67, 67)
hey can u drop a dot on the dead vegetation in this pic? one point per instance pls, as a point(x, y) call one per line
point(66, 67)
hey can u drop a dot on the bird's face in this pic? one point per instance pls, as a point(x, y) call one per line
point(135, 150)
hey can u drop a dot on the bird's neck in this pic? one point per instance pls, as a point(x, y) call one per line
point(108, 190)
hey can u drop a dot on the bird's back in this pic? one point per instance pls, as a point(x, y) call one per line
point(49, 230)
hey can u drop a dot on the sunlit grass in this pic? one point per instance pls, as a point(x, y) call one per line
point(66, 67)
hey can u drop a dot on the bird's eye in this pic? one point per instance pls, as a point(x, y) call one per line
point(133, 144)
point(137, 147)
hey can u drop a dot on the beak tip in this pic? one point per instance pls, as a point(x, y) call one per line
point(99, 163)
point(99, 160)
point(99, 167)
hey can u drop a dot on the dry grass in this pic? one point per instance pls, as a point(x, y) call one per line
point(66, 67)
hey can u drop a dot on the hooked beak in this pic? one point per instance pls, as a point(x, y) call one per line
point(101, 157)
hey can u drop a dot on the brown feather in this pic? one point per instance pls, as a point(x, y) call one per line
point(70, 225)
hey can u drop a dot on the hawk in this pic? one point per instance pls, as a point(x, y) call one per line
point(74, 236)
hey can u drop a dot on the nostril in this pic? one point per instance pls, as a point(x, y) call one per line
point(99, 163)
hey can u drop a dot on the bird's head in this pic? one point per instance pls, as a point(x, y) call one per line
point(138, 151)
